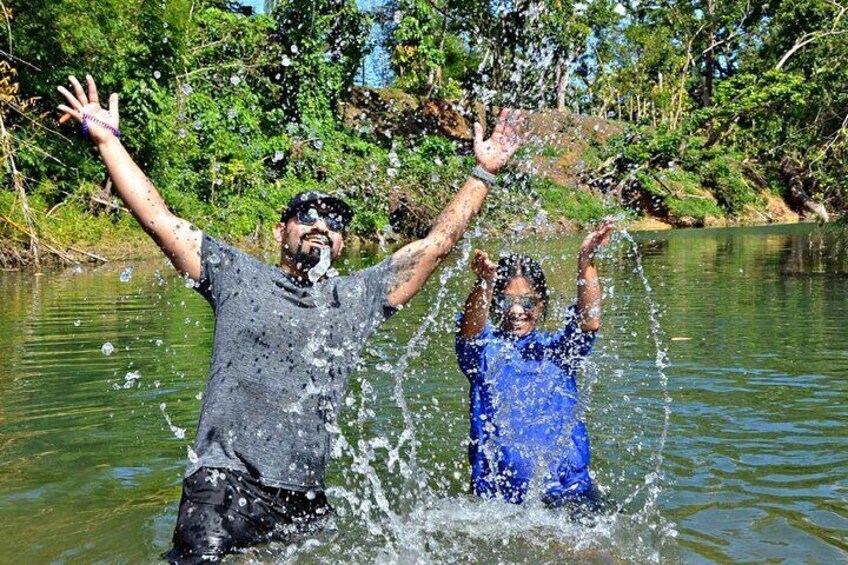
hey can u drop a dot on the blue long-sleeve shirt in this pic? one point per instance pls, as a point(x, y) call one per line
point(523, 404)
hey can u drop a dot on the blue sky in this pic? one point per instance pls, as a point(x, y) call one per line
point(376, 63)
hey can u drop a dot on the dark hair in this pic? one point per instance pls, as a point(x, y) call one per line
point(513, 266)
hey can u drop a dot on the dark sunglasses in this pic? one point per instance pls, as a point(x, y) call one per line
point(526, 301)
point(309, 216)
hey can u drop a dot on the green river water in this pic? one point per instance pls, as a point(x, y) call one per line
point(754, 469)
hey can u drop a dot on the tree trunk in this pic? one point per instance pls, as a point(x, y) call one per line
point(563, 72)
point(709, 61)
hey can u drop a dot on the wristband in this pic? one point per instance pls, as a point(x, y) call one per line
point(483, 175)
point(89, 118)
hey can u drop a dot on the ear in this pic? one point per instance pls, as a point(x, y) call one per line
point(279, 232)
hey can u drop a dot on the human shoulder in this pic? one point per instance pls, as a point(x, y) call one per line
point(220, 261)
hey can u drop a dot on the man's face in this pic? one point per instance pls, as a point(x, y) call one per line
point(304, 235)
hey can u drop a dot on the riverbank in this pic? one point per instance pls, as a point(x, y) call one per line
point(130, 243)
point(399, 159)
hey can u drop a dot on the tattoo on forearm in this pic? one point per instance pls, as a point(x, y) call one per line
point(403, 268)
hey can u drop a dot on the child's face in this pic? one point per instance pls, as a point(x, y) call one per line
point(520, 307)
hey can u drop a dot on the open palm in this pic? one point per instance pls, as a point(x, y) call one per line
point(84, 106)
point(508, 135)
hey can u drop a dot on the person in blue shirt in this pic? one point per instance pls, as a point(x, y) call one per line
point(526, 436)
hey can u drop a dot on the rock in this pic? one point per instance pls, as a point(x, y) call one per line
point(715, 222)
point(779, 211)
point(649, 223)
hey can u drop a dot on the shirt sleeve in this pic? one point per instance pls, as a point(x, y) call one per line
point(471, 353)
point(217, 264)
point(375, 281)
point(571, 343)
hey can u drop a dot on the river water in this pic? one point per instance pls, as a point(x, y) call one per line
point(754, 469)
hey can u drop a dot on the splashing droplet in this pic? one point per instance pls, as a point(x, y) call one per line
point(321, 268)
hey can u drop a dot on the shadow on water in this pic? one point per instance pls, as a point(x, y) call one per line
point(754, 466)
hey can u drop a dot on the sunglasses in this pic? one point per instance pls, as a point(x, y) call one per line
point(526, 301)
point(309, 216)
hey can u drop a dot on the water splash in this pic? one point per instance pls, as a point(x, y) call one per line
point(320, 268)
point(653, 479)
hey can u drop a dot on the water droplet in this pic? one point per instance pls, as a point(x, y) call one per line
point(130, 379)
point(231, 113)
point(198, 125)
point(278, 156)
point(182, 132)
point(235, 80)
point(320, 269)
point(107, 349)
point(285, 61)
point(126, 274)
point(186, 89)
point(310, 495)
point(294, 49)
point(77, 323)
point(157, 75)
point(242, 501)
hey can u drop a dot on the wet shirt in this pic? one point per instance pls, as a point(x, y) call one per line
point(283, 351)
point(525, 426)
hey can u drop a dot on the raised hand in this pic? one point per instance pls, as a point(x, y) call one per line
point(483, 267)
point(508, 135)
point(101, 124)
point(595, 240)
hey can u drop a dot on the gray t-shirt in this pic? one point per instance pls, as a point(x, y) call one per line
point(282, 354)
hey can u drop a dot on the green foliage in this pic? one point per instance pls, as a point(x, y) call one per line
point(570, 202)
point(231, 115)
point(674, 165)
point(321, 45)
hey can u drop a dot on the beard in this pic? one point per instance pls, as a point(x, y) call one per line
point(304, 259)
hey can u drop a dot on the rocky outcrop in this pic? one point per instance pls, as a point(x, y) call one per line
point(563, 143)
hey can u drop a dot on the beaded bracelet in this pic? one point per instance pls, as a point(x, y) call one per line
point(88, 117)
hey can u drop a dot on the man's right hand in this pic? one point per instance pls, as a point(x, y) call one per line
point(82, 104)
point(483, 267)
point(176, 237)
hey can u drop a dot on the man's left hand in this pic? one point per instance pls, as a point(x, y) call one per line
point(509, 133)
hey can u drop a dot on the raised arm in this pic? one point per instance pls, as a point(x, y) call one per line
point(413, 264)
point(588, 283)
point(475, 314)
point(176, 237)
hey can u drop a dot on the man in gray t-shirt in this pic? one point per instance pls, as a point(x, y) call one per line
point(286, 338)
point(282, 355)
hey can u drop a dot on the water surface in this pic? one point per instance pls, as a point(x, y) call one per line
point(92, 447)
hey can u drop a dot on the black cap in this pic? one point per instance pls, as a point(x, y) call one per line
point(317, 200)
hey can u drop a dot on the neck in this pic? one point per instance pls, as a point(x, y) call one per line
point(288, 266)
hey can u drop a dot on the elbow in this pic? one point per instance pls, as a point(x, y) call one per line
point(439, 245)
point(590, 326)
